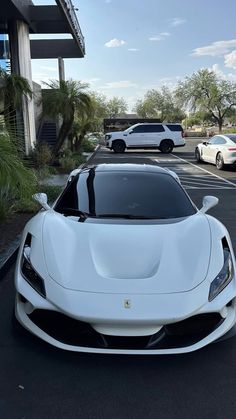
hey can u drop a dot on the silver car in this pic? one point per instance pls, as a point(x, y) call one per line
point(219, 150)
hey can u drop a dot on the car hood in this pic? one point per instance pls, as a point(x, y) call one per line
point(127, 257)
point(113, 133)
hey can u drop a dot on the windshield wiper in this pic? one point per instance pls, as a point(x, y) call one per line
point(126, 216)
point(73, 211)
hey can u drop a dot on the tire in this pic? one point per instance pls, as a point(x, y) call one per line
point(219, 162)
point(118, 146)
point(197, 155)
point(166, 146)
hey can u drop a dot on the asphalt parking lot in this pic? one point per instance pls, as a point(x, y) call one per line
point(40, 382)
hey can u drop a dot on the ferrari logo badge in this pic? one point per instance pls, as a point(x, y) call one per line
point(127, 303)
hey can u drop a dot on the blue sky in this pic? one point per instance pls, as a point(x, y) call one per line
point(134, 46)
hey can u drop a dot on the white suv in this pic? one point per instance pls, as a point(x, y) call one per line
point(147, 135)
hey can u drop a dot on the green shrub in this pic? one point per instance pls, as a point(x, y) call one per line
point(16, 181)
point(27, 205)
point(79, 159)
point(41, 155)
point(88, 146)
point(52, 191)
point(67, 163)
point(230, 130)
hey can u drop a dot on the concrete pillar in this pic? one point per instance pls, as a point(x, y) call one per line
point(21, 64)
point(61, 68)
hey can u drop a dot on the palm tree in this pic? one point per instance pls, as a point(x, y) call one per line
point(65, 99)
point(12, 89)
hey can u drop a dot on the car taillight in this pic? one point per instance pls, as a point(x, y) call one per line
point(183, 134)
point(231, 148)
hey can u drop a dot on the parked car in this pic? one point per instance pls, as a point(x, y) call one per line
point(219, 150)
point(125, 263)
point(147, 135)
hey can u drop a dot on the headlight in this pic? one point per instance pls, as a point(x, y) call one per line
point(224, 276)
point(29, 274)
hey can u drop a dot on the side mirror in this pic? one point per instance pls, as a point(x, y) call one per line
point(131, 132)
point(42, 199)
point(205, 142)
point(208, 202)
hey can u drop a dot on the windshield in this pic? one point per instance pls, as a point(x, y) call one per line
point(140, 195)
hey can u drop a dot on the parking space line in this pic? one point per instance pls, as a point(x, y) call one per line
point(193, 176)
point(206, 171)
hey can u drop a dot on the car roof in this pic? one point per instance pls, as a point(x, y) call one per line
point(231, 136)
point(125, 167)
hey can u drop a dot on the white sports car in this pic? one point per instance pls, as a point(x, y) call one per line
point(125, 263)
point(219, 150)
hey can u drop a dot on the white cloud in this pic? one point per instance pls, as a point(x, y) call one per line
point(170, 82)
point(48, 68)
point(41, 78)
point(215, 49)
point(165, 33)
point(133, 49)
point(155, 38)
point(230, 60)
point(220, 73)
point(119, 84)
point(160, 37)
point(91, 80)
point(113, 43)
point(176, 21)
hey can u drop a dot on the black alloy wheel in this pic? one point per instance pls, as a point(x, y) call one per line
point(118, 146)
point(166, 146)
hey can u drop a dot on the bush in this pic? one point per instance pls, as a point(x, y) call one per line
point(67, 163)
point(230, 130)
point(17, 182)
point(79, 159)
point(88, 146)
point(42, 155)
point(52, 191)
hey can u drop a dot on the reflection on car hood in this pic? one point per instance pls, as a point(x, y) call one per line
point(127, 258)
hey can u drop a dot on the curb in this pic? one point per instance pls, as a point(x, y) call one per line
point(92, 155)
point(8, 257)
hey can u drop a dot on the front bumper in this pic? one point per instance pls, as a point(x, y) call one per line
point(73, 335)
point(99, 323)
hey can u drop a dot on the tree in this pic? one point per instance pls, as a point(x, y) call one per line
point(198, 118)
point(65, 99)
point(82, 125)
point(205, 91)
point(159, 104)
point(13, 88)
point(116, 106)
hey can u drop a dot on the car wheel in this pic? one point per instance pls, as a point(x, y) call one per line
point(197, 155)
point(219, 161)
point(118, 146)
point(166, 146)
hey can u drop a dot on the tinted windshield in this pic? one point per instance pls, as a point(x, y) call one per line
point(141, 195)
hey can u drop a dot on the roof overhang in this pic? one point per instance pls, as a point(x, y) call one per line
point(60, 18)
point(54, 48)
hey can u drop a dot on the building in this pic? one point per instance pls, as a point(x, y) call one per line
point(20, 18)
